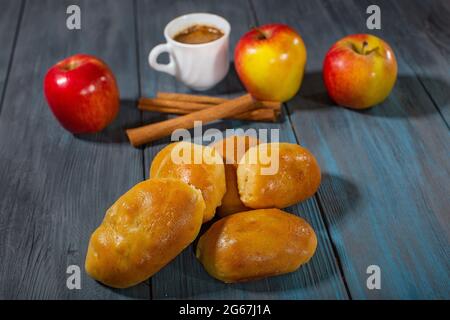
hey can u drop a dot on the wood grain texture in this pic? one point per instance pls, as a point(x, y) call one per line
point(425, 28)
point(386, 170)
point(56, 187)
point(9, 25)
point(185, 277)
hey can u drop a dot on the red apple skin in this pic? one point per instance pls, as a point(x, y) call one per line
point(359, 78)
point(82, 93)
point(270, 61)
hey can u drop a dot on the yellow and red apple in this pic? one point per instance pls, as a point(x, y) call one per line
point(359, 71)
point(270, 61)
point(82, 93)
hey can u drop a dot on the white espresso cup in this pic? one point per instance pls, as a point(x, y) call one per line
point(198, 66)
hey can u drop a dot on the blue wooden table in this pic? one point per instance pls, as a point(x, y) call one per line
point(385, 195)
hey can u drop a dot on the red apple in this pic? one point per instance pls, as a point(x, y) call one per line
point(270, 61)
point(82, 93)
point(359, 71)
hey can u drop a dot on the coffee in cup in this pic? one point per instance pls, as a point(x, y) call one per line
point(197, 45)
point(198, 34)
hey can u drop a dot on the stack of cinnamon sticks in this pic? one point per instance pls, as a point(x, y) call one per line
point(181, 103)
point(198, 109)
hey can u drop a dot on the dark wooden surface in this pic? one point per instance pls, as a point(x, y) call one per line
point(9, 19)
point(55, 187)
point(384, 198)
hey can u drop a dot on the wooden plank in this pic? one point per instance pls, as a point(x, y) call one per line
point(185, 277)
point(424, 26)
point(9, 23)
point(385, 191)
point(55, 187)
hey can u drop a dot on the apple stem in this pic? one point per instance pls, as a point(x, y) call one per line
point(261, 34)
point(364, 45)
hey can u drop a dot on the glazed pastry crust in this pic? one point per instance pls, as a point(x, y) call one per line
point(256, 244)
point(143, 230)
point(298, 176)
point(232, 149)
point(208, 176)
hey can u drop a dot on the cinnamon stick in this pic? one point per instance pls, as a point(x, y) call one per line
point(145, 134)
point(189, 97)
point(192, 104)
point(260, 114)
point(189, 106)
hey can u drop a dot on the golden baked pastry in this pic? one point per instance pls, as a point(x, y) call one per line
point(143, 230)
point(295, 177)
point(255, 244)
point(232, 149)
point(197, 165)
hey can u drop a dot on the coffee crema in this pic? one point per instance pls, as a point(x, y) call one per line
point(197, 34)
